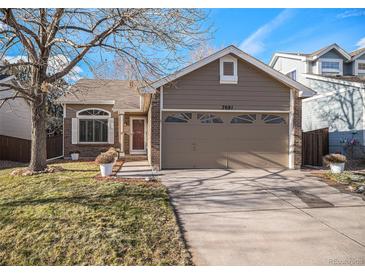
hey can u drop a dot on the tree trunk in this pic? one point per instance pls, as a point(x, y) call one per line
point(38, 158)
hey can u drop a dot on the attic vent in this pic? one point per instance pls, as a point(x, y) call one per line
point(228, 70)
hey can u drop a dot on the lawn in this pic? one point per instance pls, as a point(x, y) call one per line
point(69, 218)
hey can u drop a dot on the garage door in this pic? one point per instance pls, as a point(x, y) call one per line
point(224, 140)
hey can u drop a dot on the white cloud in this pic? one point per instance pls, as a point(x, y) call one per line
point(56, 63)
point(361, 43)
point(351, 13)
point(254, 44)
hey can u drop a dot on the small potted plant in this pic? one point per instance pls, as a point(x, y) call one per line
point(105, 161)
point(114, 152)
point(74, 155)
point(336, 162)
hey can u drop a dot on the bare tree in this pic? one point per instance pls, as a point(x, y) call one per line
point(203, 50)
point(54, 41)
point(115, 68)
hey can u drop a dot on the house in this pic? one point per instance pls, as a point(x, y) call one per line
point(228, 110)
point(15, 119)
point(338, 78)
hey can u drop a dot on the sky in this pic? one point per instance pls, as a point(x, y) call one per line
point(262, 32)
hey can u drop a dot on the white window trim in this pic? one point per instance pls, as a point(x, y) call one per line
point(321, 70)
point(137, 151)
point(228, 79)
point(91, 117)
point(296, 74)
point(357, 70)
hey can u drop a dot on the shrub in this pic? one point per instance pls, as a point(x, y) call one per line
point(334, 159)
point(104, 158)
point(113, 151)
point(74, 151)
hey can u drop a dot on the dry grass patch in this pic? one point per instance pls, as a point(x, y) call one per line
point(69, 218)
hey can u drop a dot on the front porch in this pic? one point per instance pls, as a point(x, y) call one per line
point(133, 136)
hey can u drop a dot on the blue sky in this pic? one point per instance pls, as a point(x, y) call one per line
point(261, 32)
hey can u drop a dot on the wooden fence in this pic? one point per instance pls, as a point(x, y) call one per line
point(315, 145)
point(18, 150)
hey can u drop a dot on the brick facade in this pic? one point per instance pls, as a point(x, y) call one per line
point(297, 132)
point(155, 131)
point(87, 150)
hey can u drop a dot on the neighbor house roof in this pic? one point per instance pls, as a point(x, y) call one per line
point(304, 91)
point(123, 94)
point(357, 79)
point(357, 53)
point(311, 56)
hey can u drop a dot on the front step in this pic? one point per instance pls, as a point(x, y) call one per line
point(131, 157)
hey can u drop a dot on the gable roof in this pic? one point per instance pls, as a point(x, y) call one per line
point(311, 56)
point(303, 90)
point(123, 94)
point(318, 53)
point(357, 53)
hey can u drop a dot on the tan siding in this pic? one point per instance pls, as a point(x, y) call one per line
point(201, 89)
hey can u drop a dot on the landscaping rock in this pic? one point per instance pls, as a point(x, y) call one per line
point(27, 172)
point(360, 189)
point(351, 188)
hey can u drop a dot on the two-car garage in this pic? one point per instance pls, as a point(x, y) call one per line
point(228, 110)
point(224, 140)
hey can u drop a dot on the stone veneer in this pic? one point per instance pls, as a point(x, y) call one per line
point(155, 131)
point(297, 131)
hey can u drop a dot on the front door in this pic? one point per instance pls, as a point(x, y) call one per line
point(138, 135)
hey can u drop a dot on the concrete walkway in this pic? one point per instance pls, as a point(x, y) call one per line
point(136, 169)
point(266, 217)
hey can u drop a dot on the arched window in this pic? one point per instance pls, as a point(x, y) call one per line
point(93, 125)
point(93, 112)
point(207, 118)
point(183, 117)
point(244, 119)
point(272, 119)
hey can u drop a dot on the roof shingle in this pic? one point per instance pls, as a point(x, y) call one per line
point(124, 93)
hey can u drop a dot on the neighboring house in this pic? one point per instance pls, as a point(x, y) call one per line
point(338, 78)
point(228, 110)
point(15, 120)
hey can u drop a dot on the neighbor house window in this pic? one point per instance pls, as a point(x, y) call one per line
point(93, 126)
point(292, 75)
point(360, 67)
point(329, 66)
point(228, 70)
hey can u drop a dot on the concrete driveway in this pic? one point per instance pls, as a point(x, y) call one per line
point(263, 217)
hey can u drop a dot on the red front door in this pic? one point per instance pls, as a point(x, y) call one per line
point(138, 134)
